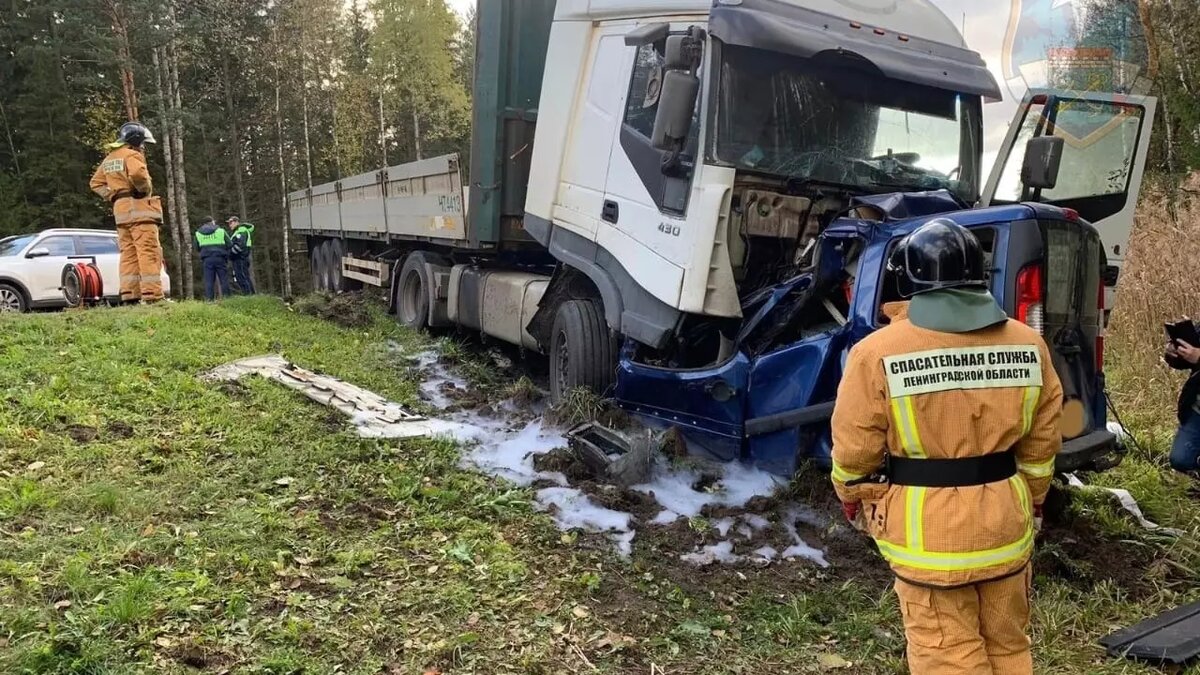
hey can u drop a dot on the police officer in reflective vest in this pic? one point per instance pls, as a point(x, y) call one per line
point(213, 243)
point(123, 179)
point(241, 253)
point(945, 431)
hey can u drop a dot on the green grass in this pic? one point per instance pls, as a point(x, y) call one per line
point(170, 544)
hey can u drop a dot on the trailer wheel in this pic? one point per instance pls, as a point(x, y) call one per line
point(314, 264)
point(327, 267)
point(412, 293)
point(337, 250)
point(582, 350)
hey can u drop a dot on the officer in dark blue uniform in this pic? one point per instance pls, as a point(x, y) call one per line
point(213, 243)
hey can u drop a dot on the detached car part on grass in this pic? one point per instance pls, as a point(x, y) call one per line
point(1172, 637)
point(370, 412)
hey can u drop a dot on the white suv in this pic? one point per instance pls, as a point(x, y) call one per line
point(31, 266)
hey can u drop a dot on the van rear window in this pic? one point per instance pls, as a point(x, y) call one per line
point(1072, 274)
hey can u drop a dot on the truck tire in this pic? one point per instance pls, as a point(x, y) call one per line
point(582, 350)
point(327, 267)
point(314, 264)
point(337, 249)
point(412, 293)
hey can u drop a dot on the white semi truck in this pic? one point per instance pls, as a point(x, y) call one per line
point(640, 169)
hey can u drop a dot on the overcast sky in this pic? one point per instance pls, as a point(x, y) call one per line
point(461, 5)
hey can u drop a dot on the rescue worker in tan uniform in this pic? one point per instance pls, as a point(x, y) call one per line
point(945, 432)
point(123, 179)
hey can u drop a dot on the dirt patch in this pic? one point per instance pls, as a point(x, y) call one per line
point(641, 505)
point(118, 430)
point(82, 434)
point(564, 461)
point(1076, 552)
point(348, 310)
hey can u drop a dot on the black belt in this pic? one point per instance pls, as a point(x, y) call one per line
point(961, 472)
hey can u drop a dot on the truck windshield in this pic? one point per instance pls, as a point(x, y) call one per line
point(835, 119)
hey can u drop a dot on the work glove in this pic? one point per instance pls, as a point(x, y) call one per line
point(1037, 517)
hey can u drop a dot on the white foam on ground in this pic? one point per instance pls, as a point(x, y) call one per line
point(672, 487)
point(720, 552)
point(494, 445)
point(765, 552)
point(755, 521)
point(799, 549)
point(665, 517)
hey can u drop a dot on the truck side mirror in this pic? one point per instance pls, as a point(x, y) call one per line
point(680, 90)
point(1043, 157)
point(676, 103)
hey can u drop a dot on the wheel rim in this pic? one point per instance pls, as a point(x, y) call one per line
point(410, 298)
point(9, 300)
point(563, 361)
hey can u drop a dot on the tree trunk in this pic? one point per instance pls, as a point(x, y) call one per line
point(120, 26)
point(1169, 135)
point(172, 208)
point(382, 129)
point(285, 215)
point(1181, 69)
point(235, 140)
point(1147, 21)
point(337, 151)
point(304, 108)
point(416, 131)
point(178, 155)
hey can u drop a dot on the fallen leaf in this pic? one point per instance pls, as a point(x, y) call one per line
point(35, 466)
point(62, 604)
point(832, 661)
point(164, 642)
point(149, 530)
point(303, 561)
point(581, 612)
point(285, 481)
point(473, 619)
point(76, 530)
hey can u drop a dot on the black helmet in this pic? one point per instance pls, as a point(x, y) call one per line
point(939, 254)
point(134, 134)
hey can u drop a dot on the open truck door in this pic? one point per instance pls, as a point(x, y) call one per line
point(1105, 140)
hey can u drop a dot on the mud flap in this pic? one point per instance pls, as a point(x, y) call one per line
point(1171, 637)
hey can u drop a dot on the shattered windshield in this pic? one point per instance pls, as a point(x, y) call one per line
point(837, 120)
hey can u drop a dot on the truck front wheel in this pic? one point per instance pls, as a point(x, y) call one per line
point(412, 293)
point(582, 350)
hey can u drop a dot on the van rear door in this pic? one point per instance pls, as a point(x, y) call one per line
point(1106, 140)
point(1057, 289)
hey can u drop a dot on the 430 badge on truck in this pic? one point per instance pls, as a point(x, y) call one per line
point(667, 228)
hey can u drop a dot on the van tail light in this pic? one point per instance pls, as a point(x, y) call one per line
point(1100, 328)
point(1031, 297)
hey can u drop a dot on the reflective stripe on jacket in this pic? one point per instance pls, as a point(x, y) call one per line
point(919, 393)
point(123, 179)
point(245, 230)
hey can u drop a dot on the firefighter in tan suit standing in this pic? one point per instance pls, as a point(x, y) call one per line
point(123, 179)
point(944, 437)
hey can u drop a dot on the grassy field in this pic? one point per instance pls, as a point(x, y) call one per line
point(150, 522)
